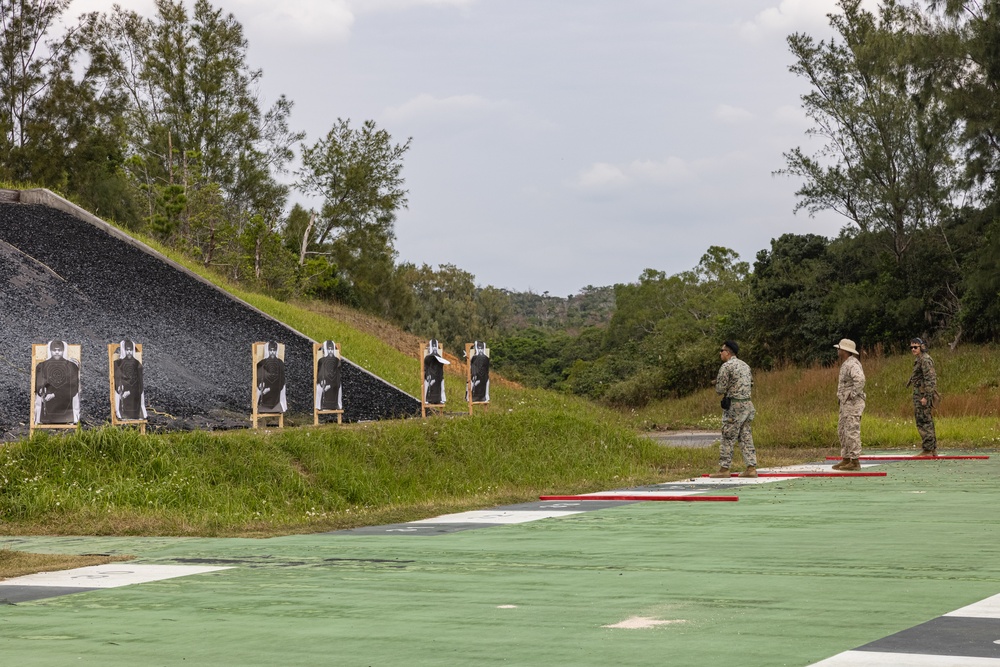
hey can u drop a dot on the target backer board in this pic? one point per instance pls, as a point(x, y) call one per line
point(113, 355)
point(259, 354)
point(40, 354)
point(317, 355)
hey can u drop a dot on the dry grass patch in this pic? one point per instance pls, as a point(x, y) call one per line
point(20, 563)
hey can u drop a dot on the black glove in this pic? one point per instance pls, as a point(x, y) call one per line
point(726, 402)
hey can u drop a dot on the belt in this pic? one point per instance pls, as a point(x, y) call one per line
point(738, 400)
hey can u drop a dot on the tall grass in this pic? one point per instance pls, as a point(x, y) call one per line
point(111, 481)
point(797, 407)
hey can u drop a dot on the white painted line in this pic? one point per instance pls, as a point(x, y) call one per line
point(988, 608)
point(644, 492)
point(111, 575)
point(746, 481)
point(496, 516)
point(877, 659)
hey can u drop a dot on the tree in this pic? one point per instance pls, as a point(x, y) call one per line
point(357, 174)
point(890, 154)
point(789, 316)
point(188, 90)
point(28, 63)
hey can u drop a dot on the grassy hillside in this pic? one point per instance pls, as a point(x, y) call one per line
point(527, 443)
point(797, 407)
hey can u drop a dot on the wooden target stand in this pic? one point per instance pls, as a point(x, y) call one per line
point(317, 353)
point(424, 405)
point(468, 379)
point(39, 353)
point(115, 421)
point(255, 416)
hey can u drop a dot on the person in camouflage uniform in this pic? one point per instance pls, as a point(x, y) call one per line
point(734, 383)
point(851, 396)
point(924, 383)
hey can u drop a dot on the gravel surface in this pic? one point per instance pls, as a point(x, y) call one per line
point(65, 279)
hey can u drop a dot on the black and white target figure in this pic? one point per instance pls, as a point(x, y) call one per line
point(56, 375)
point(329, 390)
point(129, 390)
point(479, 373)
point(434, 364)
point(270, 387)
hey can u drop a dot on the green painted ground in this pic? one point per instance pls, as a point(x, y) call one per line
point(793, 573)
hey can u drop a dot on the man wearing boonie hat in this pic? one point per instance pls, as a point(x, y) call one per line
point(734, 383)
point(851, 395)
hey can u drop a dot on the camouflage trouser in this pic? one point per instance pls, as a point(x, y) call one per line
point(925, 424)
point(849, 432)
point(736, 426)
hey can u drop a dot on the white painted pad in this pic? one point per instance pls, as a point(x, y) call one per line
point(733, 480)
point(111, 575)
point(496, 516)
point(988, 608)
point(876, 659)
point(643, 492)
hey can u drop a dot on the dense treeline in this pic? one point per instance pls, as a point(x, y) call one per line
point(156, 123)
point(906, 102)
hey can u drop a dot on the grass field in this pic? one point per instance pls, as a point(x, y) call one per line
point(527, 443)
point(797, 407)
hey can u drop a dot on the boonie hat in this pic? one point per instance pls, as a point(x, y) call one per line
point(847, 345)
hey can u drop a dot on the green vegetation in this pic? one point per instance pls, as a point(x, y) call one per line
point(797, 407)
point(529, 442)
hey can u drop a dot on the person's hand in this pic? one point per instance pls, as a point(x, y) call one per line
point(126, 393)
point(48, 397)
point(923, 400)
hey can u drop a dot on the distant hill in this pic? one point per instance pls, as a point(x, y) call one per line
point(591, 306)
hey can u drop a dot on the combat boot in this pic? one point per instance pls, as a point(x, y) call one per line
point(751, 471)
point(840, 466)
point(928, 452)
point(852, 465)
point(723, 472)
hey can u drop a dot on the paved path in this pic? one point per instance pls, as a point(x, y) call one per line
point(797, 572)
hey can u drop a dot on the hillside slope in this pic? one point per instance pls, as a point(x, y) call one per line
point(67, 279)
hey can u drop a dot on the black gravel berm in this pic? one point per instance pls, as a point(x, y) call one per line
point(66, 279)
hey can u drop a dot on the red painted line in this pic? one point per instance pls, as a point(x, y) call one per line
point(813, 474)
point(910, 458)
point(643, 497)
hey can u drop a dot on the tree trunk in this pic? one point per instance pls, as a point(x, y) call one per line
point(305, 238)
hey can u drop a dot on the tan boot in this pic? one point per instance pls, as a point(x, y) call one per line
point(852, 465)
point(751, 471)
point(723, 472)
point(840, 466)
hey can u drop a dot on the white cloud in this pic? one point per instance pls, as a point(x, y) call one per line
point(789, 114)
point(602, 176)
point(394, 5)
point(465, 111)
point(605, 177)
point(790, 16)
point(731, 114)
point(425, 106)
point(301, 19)
point(328, 19)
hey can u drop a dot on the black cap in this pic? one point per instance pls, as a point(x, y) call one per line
point(733, 346)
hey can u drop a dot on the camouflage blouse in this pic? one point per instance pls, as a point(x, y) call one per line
point(924, 377)
point(734, 379)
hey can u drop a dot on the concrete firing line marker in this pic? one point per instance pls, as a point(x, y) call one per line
point(911, 458)
point(813, 474)
point(645, 496)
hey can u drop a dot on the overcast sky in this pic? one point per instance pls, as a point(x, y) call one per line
point(556, 144)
